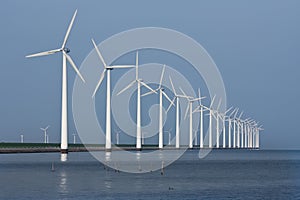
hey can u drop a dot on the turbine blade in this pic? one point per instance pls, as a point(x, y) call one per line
point(171, 104)
point(99, 82)
point(137, 66)
point(212, 101)
point(168, 98)
point(69, 30)
point(147, 93)
point(187, 110)
point(120, 66)
point(144, 84)
point(228, 110)
point(74, 66)
point(44, 53)
point(173, 88)
point(199, 95)
point(127, 87)
point(219, 104)
point(162, 76)
point(99, 54)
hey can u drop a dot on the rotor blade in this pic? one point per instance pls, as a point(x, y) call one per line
point(137, 66)
point(219, 104)
point(168, 98)
point(184, 95)
point(99, 54)
point(120, 66)
point(241, 114)
point(47, 127)
point(172, 86)
point(212, 101)
point(228, 110)
point(44, 53)
point(73, 65)
point(144, 84)
point(171, 104)
point(237, 111)
point(162, 76)
point(186, 111)
point(199, 95)
point(196, 109)
point(127, 87)
point(147, 94)
point(232, 112)
point(99, 82)
point(69, 29)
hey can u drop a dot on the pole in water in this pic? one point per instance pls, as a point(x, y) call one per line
point(52, 167)
point(162, 168)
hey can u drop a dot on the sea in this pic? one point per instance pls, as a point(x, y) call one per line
point(223, 174)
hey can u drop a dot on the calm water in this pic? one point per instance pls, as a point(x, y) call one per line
point(227, 174)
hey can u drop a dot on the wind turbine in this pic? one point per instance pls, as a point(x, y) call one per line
point(138, 113)
point(217, 129)
point(74, 138)
point(117, 136)
point(45, 132)
point(201, 118)
point(169, 134)
point(161, 94)
point(210, 143)
point(189, 108)
point(238, 129)
point(223, 118)
point(106, 72)
point(229, 127)
point(64, 108)
point(234, 128)
point(177, 96)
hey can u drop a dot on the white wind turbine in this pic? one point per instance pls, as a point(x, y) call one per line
point(202, 109)
point(64, 111)
point(234, 128)
point(161, 94)
point(117, 136)
point(211, 112)
point(45, 133)
point(106, 72)
point(138, 114)
point(169, 136)
point(229, 127)
point(177, 97)
point(217, 128)
point(238, 130)
point(223, 118)
point(189, 109)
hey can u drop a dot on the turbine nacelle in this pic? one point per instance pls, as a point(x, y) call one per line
point(66, 50)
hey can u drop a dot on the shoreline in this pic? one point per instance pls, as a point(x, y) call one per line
point(10, 148)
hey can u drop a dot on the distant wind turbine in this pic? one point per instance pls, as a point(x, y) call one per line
point(45, 133)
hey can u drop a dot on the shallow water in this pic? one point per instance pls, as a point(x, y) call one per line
point(223, 174)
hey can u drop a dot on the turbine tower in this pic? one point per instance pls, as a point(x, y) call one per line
point(45, 133)
point(138, 110)
point(64, 108)
point(106, 71)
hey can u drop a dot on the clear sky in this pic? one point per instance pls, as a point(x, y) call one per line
point(255, 45)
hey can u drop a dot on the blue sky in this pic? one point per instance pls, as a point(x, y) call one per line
point(255, 45)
